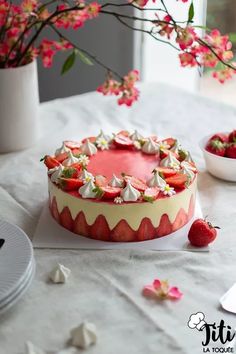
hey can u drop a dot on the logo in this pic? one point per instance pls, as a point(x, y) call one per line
point(218, 338)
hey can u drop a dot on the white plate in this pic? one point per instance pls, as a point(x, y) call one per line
point(16, 261)
point(19, 293)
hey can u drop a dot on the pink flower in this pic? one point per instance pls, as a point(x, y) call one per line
point(224, 74)
point(128, 93)
point(160, 289)
point(93, 9)
point(164, 28)
point(187, 59)
point(186, 37)
point(29, 5)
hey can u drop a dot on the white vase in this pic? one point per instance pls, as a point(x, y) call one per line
point(19, 103)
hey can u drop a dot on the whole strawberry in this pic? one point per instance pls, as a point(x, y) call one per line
point(231, 151)
point(232, 137)
point(216, 147)
point(221, 137)
point(202, 233)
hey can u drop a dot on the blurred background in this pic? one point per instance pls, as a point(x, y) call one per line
point(124, 49)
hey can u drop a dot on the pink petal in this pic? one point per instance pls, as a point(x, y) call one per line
point(174, 293)
point(156, 284)
point(149, 291)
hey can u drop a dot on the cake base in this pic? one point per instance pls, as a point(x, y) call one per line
point(130, 222)
point(49, 234)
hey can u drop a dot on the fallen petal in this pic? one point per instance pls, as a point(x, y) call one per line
point(175, 293)
point(149, 291)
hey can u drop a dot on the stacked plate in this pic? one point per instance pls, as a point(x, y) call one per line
point(17, 266)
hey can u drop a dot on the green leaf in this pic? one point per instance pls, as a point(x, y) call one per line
point(68, 172)
point(83, 57)
point(68, 63)
point(191, 12)
point(148, 198)
point(99, 192)
point(42, 159)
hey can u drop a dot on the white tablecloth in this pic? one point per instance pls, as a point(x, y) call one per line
point(105, 286)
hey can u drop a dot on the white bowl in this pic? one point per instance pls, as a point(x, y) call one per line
point(218, 166)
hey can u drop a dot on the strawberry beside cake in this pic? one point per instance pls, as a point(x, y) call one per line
point(122, 188)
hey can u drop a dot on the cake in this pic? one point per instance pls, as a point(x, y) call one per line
point(122, 188)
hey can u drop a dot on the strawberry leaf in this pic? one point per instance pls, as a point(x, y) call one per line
point(42, 159)
point(148, 198)
point(99, 192)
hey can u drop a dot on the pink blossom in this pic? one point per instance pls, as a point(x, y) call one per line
point(160, 289)
point(186, 37)
point(187, 59)
point(224, 74)
point(29, 5)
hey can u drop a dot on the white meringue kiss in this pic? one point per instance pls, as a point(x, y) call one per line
point(87, 190)
point(59, 274)
point(88, 148)
point(136, 136)
point(170, 161)
point(62, 149)
point(56, 173)
point(129, 193)
point(151, 147)
point(157, 181)
point(70, 160)
point(116, 182)
point(84, 335)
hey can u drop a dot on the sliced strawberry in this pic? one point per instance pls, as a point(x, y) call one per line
point(70, 184)
point(101, 181)
point(76, 152)
point(76, 165)
point(123, 232)
point(51, 162)
point(100, 229)
point(180, 220)
point(221, 137)
point(146, 230)
point(169, 141)
point(110, 192)
point(54, 209)
point(191, 208)
point(137, 183)
point(165, 152)
point(151, 193)
point(66, 219)
point(80, 225)
point(165, 226)
point(123, 142)
point(166, 172)
point(61, 157)
point(71, 172)
point(72, 144)
point(177, 181)
point(92, 139)
point(123, 132)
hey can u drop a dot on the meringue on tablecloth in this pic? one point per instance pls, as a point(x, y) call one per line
point(59, 274)
point(84, 335)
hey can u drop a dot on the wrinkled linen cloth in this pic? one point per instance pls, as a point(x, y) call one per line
point(105, 286)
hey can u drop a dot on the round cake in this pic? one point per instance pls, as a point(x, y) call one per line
point(122, 188)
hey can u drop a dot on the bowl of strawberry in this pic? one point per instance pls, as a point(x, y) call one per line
point(219, 151)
